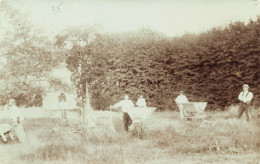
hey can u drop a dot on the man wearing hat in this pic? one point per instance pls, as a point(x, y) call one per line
point(179, 100)
point(245, 98)
point(141, 102)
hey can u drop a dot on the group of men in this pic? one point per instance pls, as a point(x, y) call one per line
point(245, 97)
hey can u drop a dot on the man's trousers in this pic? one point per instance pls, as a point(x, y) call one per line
point(127, 120)
point(244, 107)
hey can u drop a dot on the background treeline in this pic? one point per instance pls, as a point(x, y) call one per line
point(211, 66)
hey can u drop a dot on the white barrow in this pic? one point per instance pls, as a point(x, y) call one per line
point(140, 114)
point(195, 109)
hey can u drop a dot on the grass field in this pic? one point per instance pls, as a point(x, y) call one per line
point(163, 139)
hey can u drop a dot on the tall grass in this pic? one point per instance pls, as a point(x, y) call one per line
point(229, 136)
point(64, 141)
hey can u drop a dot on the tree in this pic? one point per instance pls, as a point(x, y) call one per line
point(211, 66)
point(29, 55)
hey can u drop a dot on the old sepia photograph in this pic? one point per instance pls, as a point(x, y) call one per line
point(130, 82)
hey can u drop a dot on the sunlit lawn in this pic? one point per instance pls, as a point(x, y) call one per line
point(163, 139)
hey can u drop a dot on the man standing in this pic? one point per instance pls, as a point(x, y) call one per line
point(245, 98)
point(17, 118)
point(15, 113)
point(62, 104)
point(141, 102)
point(125, 104)
point(179, 100)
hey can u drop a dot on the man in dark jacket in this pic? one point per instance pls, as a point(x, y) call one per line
point(63, 105)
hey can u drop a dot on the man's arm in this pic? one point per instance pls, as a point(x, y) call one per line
point(177, 100)
point(185, 99)
point(132, 104)
point(240, 96)
point(117, 105)
point(144, 103)
point(249, 97)
point(138, 102)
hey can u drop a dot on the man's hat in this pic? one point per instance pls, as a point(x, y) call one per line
point(245, 86)
point(181, 91)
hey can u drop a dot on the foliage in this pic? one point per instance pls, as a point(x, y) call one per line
point(86, 60)
point(220, 61)
point(28, 57)
point(24, 94)
point(211, 66)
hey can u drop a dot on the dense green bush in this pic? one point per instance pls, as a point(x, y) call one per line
point(24, 94)
point(29, 100)
point(211, 66)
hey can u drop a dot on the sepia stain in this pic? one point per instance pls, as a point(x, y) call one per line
point(238, 74)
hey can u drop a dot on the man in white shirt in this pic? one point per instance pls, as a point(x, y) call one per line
point(245, 98)
point(179, 100)
point(17, 118)
point(126, 105)
point(141, 102)
point(15, 113)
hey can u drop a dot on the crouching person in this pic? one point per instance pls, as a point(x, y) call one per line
point(17, 120)
point(125, 104)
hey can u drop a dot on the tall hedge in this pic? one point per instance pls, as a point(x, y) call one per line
point(211, 66)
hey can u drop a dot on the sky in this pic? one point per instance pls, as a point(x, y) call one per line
point(172, 18)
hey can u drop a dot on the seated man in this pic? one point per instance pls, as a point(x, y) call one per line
point(179, 100)
point(141, 102)
point(125, 104)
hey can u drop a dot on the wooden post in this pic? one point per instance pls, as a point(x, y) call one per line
point(111, 125)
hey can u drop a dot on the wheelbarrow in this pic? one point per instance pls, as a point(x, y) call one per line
point(6, 131)
point(195, 109)
point(139, 115)
point(13, 131)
